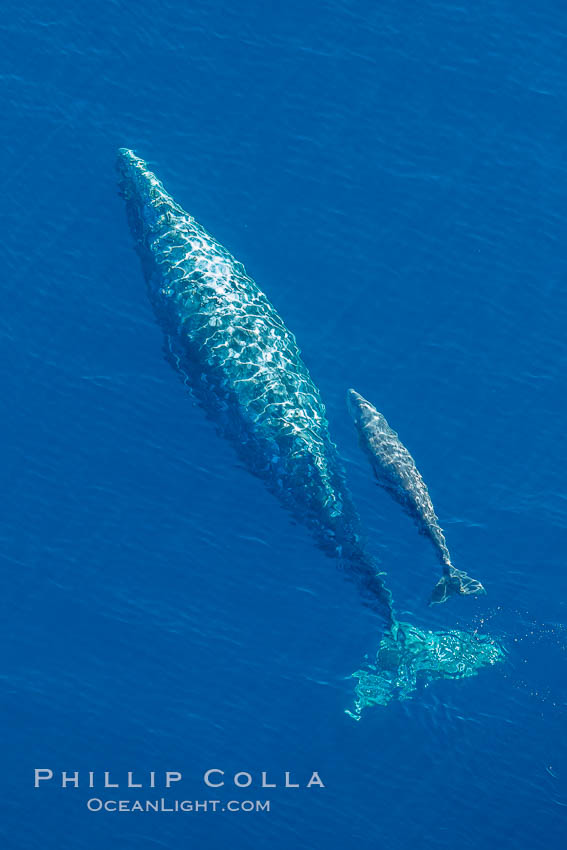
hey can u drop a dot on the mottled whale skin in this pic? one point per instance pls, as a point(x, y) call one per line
point(243, 366)
point(396, 472)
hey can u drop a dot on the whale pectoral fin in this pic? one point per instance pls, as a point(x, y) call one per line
point(455, 582)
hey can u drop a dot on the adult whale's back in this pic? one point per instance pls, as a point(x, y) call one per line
point(230, 345)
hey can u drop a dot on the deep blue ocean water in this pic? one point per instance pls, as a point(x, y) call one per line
point(394, 176)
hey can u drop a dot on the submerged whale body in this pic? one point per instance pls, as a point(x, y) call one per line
point(244, 367)
point(396, 472)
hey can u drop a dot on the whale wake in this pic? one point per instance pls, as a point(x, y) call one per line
point(417, 656)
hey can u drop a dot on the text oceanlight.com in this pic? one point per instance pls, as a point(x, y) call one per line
point(95, 804)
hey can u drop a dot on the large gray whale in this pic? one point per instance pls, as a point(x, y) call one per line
point(396, 472)
point(231, 347)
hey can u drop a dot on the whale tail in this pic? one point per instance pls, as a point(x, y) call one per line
point(455, 582)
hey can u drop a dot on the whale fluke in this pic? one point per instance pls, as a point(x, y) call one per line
point(396, 472)
point(455, 582)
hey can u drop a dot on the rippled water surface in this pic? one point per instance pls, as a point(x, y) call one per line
point(394, 177)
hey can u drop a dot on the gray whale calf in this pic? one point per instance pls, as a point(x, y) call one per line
point(396, 472)
point(231, 347)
